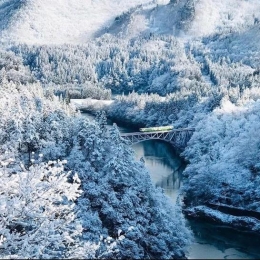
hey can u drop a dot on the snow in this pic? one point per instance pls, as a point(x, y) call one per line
point(153, 45)
point(211, 16)
point(60, 21)
point(91, 104)
point(227, 107)
point(220, 217)
point(77, 21)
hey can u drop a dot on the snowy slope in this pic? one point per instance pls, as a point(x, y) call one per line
point(76, 21)
point(214, 16)
point(59, 21)
point(189, 18)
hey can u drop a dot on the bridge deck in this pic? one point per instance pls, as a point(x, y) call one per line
point(158, 132)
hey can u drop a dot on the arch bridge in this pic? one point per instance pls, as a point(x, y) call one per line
point(177, 137)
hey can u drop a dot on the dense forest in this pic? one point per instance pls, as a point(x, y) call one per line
point(165, 82)
point(74, 189)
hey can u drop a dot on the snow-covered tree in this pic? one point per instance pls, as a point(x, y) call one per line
point(37, 218)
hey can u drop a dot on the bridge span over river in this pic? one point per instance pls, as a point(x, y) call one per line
point(176, 137)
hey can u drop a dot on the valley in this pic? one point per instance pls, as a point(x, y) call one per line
point(191, 64)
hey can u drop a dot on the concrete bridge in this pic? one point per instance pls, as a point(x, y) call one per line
point(176, 137)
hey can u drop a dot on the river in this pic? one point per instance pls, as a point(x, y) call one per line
point(210, 241)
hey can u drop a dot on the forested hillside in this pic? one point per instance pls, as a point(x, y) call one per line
point(74, 189)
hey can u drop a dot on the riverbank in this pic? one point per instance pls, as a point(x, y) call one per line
point(238, 219)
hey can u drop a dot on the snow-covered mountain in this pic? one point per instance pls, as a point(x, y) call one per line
point(65, 21)
point(189, 18)
point(37, 21)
